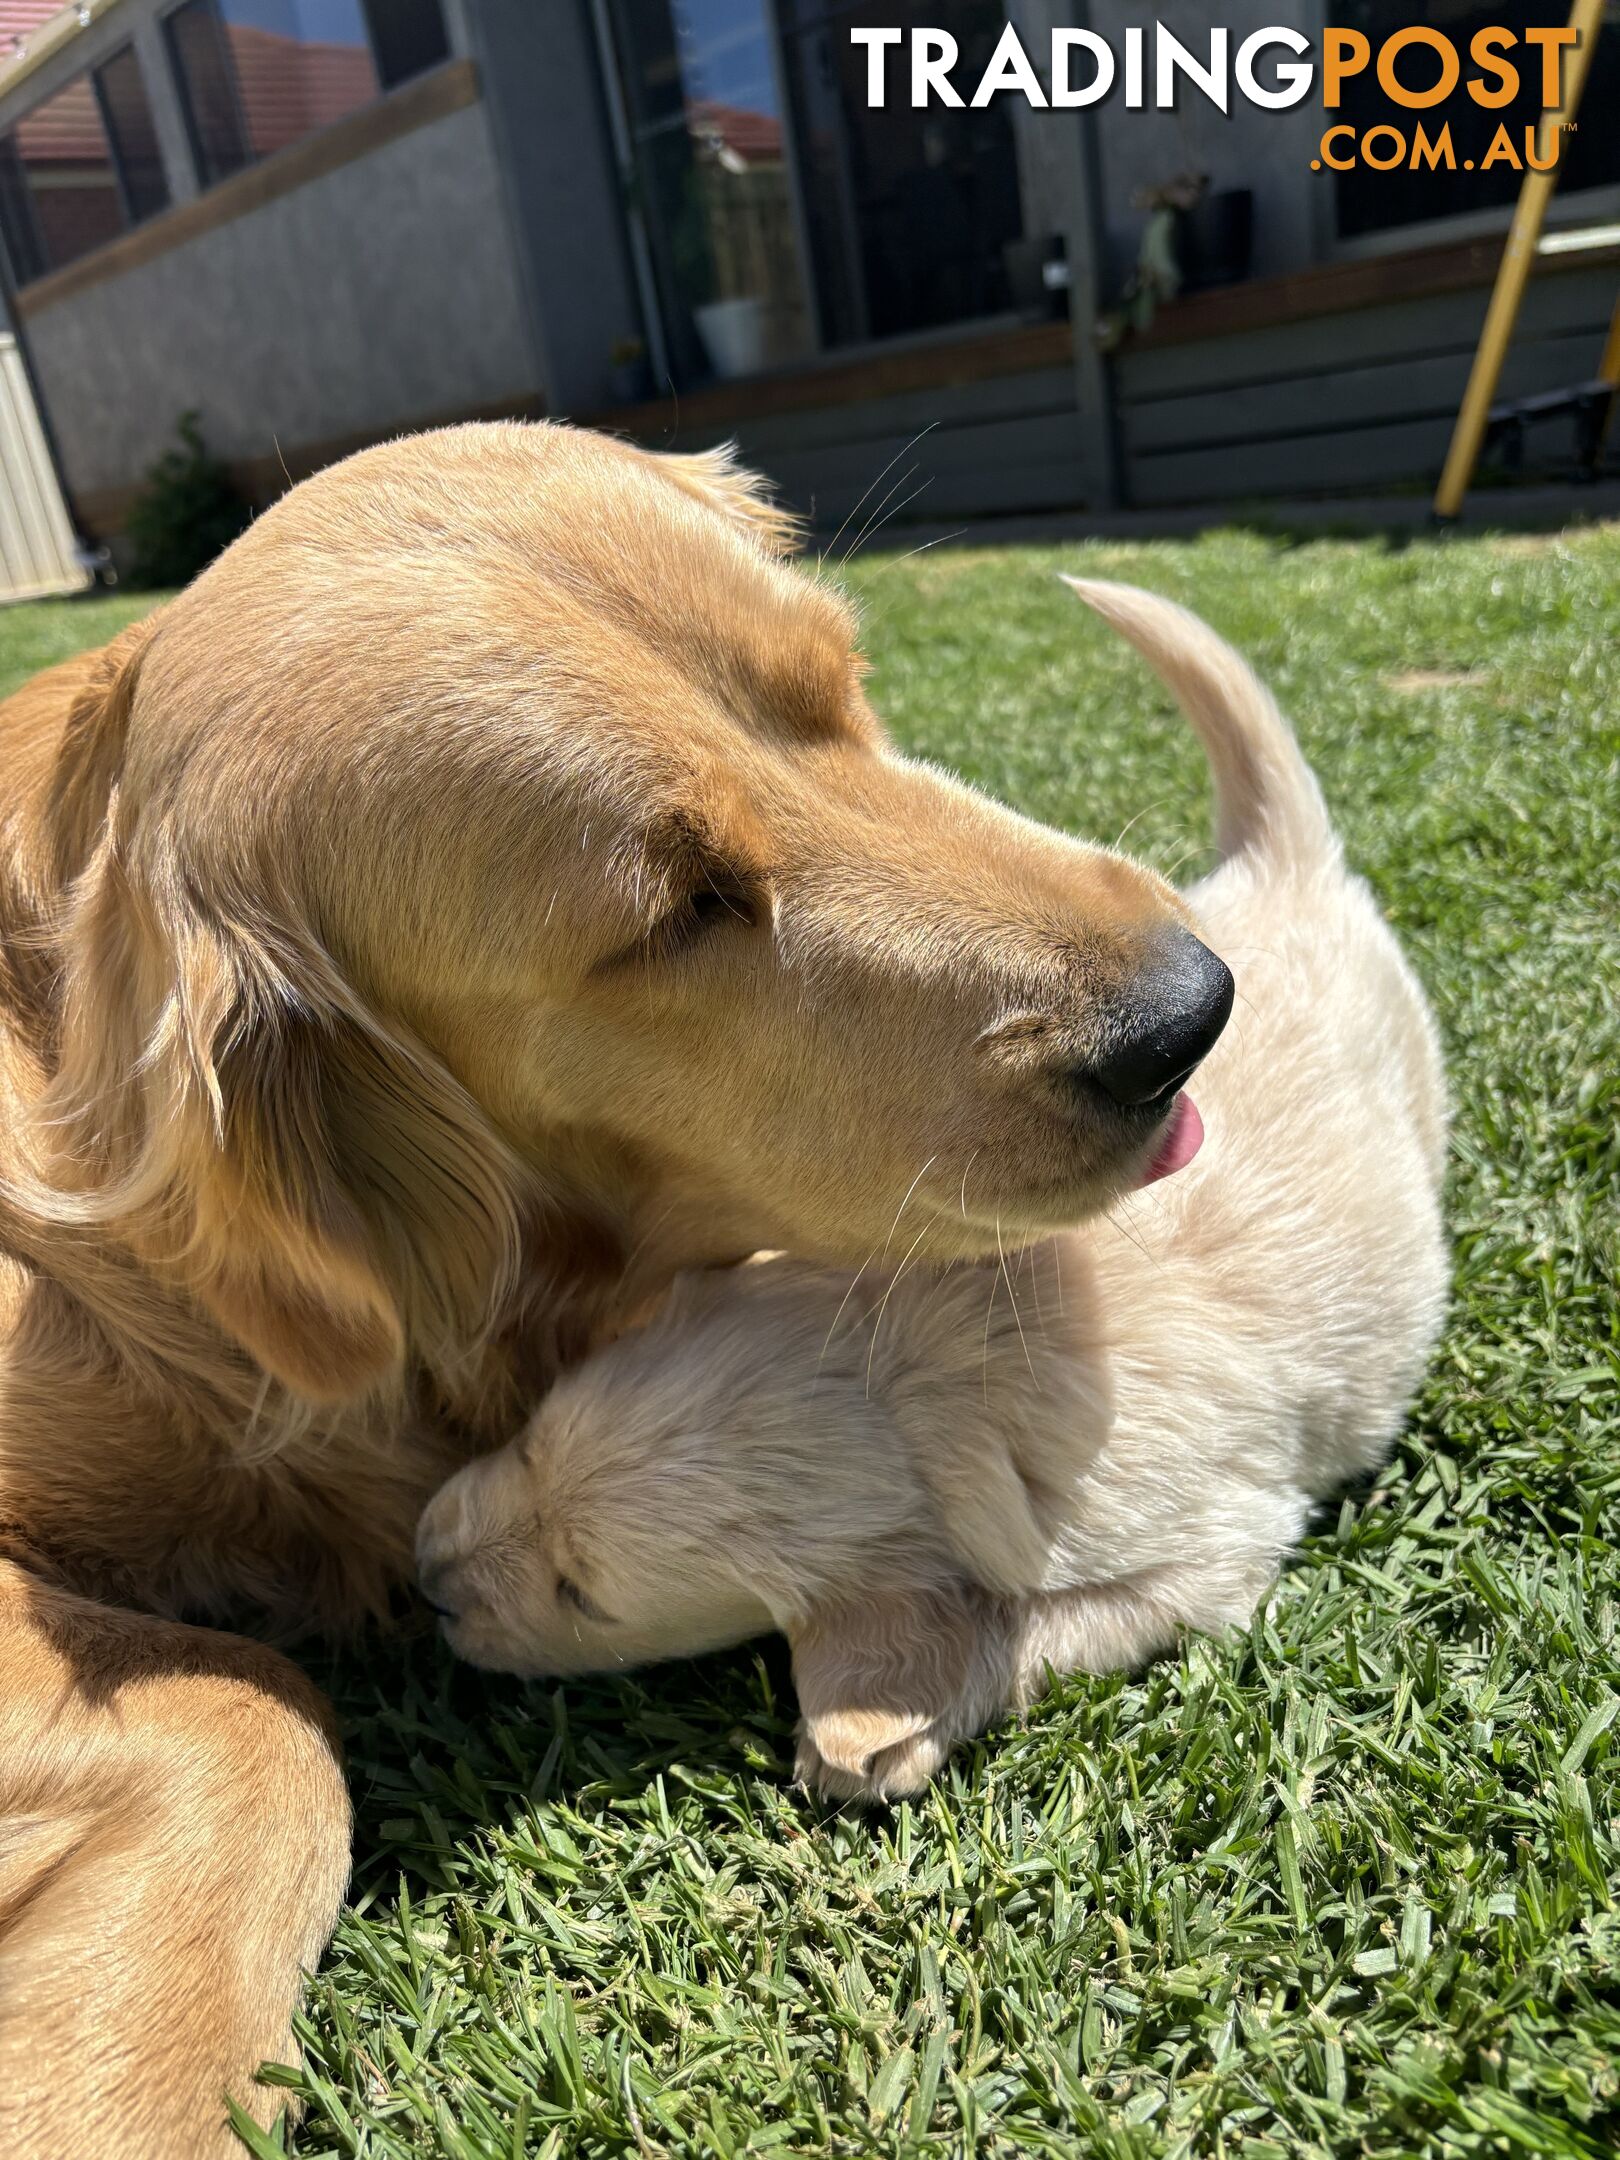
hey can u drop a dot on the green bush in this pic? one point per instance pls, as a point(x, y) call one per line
point(186, 513)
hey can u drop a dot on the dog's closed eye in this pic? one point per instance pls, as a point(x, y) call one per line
point(722, 901)
point(712, 906)
point(571, 1594)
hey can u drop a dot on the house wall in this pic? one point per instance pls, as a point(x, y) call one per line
point(1011, 444)
point(380, 294)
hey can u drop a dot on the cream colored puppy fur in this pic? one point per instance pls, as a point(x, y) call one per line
point(940, 1485)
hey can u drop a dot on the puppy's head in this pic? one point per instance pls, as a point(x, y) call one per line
point(671, 1496)
point(743, 1463)
point(500, 823)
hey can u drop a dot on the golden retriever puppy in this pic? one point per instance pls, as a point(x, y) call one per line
point(939, 1485)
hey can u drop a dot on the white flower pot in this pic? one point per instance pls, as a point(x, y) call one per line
point(733, 334)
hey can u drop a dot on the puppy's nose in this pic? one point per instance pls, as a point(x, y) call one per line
point(436, 1585)
point(1166, 1023)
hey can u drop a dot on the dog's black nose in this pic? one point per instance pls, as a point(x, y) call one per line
point(1166, 1023)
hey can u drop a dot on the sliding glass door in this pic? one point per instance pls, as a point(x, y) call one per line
point(782, 216)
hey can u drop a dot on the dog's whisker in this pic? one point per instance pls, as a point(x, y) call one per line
point(855, 507)
point(1130, 1234)
point(871, 530)
point(876, 512)
point(894, 1285)
point(1012, 1297)
point(906, 1202)
point(843, 1304)
point(984, 1348)
point(938, 541)
point(1142, 813)
point(967, 1166)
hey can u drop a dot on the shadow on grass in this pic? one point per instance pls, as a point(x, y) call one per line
point(438, 1752)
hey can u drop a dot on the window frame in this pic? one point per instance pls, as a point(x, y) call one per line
point(20, 279)
point(627, 138)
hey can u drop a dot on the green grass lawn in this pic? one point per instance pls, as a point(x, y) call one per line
point(1344, 1886)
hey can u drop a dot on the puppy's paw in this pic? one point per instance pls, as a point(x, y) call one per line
point(859, 1756)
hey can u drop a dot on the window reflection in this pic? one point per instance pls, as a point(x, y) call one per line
point(1371, 201)
point(65, 156)
point(714, 182)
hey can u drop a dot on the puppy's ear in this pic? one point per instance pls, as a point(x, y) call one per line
point(987, 1511)
point(716, 479)
point(887, 1683)
point(224, 1104)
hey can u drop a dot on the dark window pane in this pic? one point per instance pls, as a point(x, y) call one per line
point(407, 37)
point(17, 216)
point(128, 120)
point(909, 211)
point(74, 189)
point(1371, 201)
point(207, 91)
point(299, 65)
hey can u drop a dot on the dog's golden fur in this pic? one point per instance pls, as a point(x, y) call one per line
point(942, 1486)
point(483, 893)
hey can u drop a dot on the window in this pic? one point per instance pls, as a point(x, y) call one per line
point(704, 110)
point(202, 68)
point(407, 38)
point(780, 212)
point(1370, 202)
point(80, 169)
point(910, 211)
point(256, 75)
point(127, 118)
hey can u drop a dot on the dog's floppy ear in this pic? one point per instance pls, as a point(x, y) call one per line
point(92, 751)
point(886, 1682)
point(225, 1104)
point(717, 480)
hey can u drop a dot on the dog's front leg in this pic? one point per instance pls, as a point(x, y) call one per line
point(174, 1841)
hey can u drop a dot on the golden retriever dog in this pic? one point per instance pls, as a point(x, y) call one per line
point(481, 895)
point(942, 1487)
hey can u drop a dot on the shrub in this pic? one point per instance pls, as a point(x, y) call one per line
point(188, 510)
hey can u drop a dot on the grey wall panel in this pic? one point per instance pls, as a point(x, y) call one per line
point(895, 419)
point(1447, 322)
point(1351, 459)
point(1038, 458)
point(974, 491)
point(1347, 397)
point(376, 295)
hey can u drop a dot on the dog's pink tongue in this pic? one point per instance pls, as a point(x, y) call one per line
point(1184, 1136)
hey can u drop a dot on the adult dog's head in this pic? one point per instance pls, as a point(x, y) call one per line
point(494, 853)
